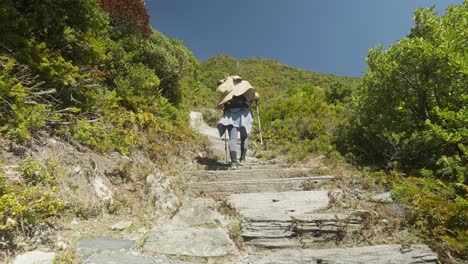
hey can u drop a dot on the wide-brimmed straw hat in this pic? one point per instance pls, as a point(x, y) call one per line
point(234, 86)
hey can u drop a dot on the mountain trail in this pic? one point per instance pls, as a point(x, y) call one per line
point(264, 212)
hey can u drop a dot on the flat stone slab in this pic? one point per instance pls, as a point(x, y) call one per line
point(121, 225)
point(279, 205)
point(88, 247)
point(290, 219)
point(246, 166)
point(122, 258)
point(248, 174)
point(105, 243)
point(299, 231)
point(383, 197)
point(198, 212)
point(257, 185)
point(382, 254)
point(195, 242)
point(35, 257)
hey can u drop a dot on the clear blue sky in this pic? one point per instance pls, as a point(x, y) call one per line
point(331, 36)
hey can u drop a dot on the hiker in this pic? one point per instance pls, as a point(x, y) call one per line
point(237, 97)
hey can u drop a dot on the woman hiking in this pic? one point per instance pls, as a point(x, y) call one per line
point(237, 97)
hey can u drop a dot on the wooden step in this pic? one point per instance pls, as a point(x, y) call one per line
point(225, 187)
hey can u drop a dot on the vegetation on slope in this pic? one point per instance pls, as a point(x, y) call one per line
point(411, 116)
point(91, 72)
point(269, 77)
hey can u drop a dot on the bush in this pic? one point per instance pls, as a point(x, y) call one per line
point(439, 213)
point(302, 122)
point(24, 205)
point(411, 106)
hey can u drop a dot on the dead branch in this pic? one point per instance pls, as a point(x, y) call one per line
point(54, 122)
point(50, 91)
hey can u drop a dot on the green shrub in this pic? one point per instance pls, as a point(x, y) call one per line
point(411, 106)
point(439, 210)
point(302, 123)
point(34, 173)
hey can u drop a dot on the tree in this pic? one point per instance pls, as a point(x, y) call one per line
point(127, 15)
point(412, 104)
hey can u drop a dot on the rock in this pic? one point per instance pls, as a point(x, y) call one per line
point(102, 190)
point(283, 204)
point(391, 254)
point(383, 197)
point(121, 225)
point(336, 195)
point(290, 219)
point(194, 242)
point(122, 258)
point(35, 257)
point(401, 209)
point(88, 247)
point(77, 170)
point(198, 212)
point(105, 243)
point(42, 234)
point(316, 162)
point(154, 178)
point(161, 192)
point(196, 120)
point(61, 245)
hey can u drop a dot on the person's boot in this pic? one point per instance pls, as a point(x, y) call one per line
point(234, 163)
point(243, 156)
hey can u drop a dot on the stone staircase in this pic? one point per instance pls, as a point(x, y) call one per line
point(275, 214)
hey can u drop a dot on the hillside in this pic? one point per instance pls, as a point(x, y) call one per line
point(271, 78)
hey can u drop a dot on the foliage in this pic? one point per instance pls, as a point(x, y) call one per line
point(439, 214)
point(302, 122)
point(269, 77)
point(105, 80)
point(411, 107)
point(410, 116)
point(18, 116)
point(127, 15)
point(34, 173)
point(24, 205)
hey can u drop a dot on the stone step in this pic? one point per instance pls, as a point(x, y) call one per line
point(247, 166)
point(299, 231)
point(193, 242)
point(380, 254)
point(246, 174)
point(258, 185)
point(129, 258)
point(290, 219)
point(88, 247)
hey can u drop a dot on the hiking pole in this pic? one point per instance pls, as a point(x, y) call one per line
point(225, 146)
point(259, 125)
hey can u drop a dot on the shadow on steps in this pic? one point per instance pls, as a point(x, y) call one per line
point(212, 164)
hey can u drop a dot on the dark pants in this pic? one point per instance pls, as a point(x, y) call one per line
point(233, 138)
